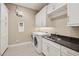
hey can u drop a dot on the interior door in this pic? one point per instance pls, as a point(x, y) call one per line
point(4, 28)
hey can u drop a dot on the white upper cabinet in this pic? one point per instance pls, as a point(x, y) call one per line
point(54, 10)
point(37, 20)
point(40, 18)
point(73, 15)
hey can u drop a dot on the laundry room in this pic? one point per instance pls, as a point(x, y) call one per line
point(39, 29)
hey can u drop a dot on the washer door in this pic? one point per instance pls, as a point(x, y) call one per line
point(35, 42)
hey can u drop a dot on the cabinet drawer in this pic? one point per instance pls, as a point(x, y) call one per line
point(64, 54)
point(54, 44)
point(69, 51)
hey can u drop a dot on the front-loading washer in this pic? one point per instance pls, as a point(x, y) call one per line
point(37, 41)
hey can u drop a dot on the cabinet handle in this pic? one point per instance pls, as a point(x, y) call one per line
point(68, 19)
point(48, 48)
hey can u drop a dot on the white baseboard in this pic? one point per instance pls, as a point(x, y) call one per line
point(19, 44)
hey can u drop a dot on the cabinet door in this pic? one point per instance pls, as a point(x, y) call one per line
point(73, 15)
point(44, 46)
point(41, 17)
point(38, 20)
point(68, 52)
point(50, 48)
point(53, 49)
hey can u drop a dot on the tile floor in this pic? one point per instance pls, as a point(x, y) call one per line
point(22, 50)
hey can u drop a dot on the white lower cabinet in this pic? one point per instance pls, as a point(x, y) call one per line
point(45, 46)
point(50, 48)
point(68, 52)
point(63, 54)
point(53, 49)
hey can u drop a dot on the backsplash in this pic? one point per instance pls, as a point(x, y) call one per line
point(45, 29)
point(61, 27)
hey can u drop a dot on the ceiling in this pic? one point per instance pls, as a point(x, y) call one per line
point(33, 6)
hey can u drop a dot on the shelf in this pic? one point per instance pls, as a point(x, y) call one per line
point(58, 9)
point(58, 15)
point(73, 25)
